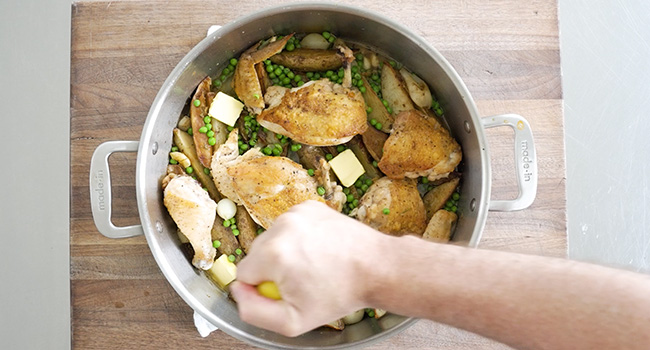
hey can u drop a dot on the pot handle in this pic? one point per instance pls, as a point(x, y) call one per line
point(525, 159)
point(100, 190)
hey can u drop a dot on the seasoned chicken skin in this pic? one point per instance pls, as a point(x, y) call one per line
point(269, 186)
point(419, 146)
point(194, 212)
point(406, 213)
point(226, 156)
point(319, 113)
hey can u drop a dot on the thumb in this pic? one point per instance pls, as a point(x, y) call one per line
point(275, 315)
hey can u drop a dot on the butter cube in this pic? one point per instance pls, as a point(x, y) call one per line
point(347, 167)
point(226, 109)
point(223, 271)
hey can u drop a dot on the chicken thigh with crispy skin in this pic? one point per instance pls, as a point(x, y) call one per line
point(319, 113)
point(419, 146)
point(269, 186)
point(194, 212)
point(393, 207)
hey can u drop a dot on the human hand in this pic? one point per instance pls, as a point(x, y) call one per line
point(319, 260)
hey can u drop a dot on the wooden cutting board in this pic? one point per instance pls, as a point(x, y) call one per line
point(507, 52)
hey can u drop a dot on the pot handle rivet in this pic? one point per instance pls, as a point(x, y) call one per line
point(525, 160)
point(100, 190)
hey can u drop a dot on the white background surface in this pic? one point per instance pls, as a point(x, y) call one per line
point(606, 67)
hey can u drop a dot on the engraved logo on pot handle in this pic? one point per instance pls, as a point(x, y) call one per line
point(99, 189)
point(526, 161)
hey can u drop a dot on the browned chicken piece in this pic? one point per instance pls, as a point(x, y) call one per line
point(393, 207)
point(269, 186)
point(440, 225)
point(193, 212)
point(334, 195)
point(172, 172)
point(247, 228)
point(319, 113)
point(226, 156)
point(197, 113)
point(245, 80)
point(419, 146)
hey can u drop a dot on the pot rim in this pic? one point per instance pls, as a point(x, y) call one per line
point(145, 141)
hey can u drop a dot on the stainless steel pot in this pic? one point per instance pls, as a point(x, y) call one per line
point(204, 59)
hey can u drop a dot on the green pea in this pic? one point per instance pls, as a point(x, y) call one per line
point(329, 156)
point(310, 172)
point(252, 142)
point(358, 183)
point(244, 147)
point(378, 126)
point(197, 103)
point(230, 128)
point(226, 223)
point(454, 209)
point(238, 251)
point(267, 62)
point(326, 35)
point(329, 73)
point(277, 71)
point(216, 244)
point(171, 161)
point(340, 148)
point(346, 190)
point(331, 39)
point(207, 119)
point(386, 211)
point(316, 76)
point(364, 187)
point(286, 80)
point(390, 110)
point(189, 170)
point(455, 196)
point(260, 231)
point(385, 103)
point(231, 258)
point(320, 190)
point(392, 63)
point(216, 83)
point(272, 75)
point(355, 202)
point(310, 75)
point(212, 141)
point(267, 150)
point(374, 77)
point(355, 69)
point(233, 220)
point(235, 232)
point(203, 130)
point(295, 147)
point(190, 132)
point(425, 180)
point(374, 163)
point(449, 204)
point(363, 90)
point(354, 82)
point(297, 78)
point(208, 126)
point(300, 83)
point(206, 171)
point(210, 133)
point(233, 61)
point(359, 57)
point(341, 73)
point(276, 152)
point(174, 149)
point(373, 122)
point(350, 198)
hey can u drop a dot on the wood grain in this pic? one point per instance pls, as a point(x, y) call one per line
point(507, 52)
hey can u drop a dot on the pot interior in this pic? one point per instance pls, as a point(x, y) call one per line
point(206, 58)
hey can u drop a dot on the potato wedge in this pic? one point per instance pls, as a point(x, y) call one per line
point(310, 156)
point(394, 90)
point(247, 228)
point(363, 156)
point(308, 59)
point(354, 317)
point(229, 243)
point(379, 112)
point(417, 89)
point(338, 324)
point(374, 141)
point(263, 76)
point(197, 113)
point(379, 313)
point(439, 227)
point(185, 123)
point(185, 143)
point(435, 199)
point(220, 133)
